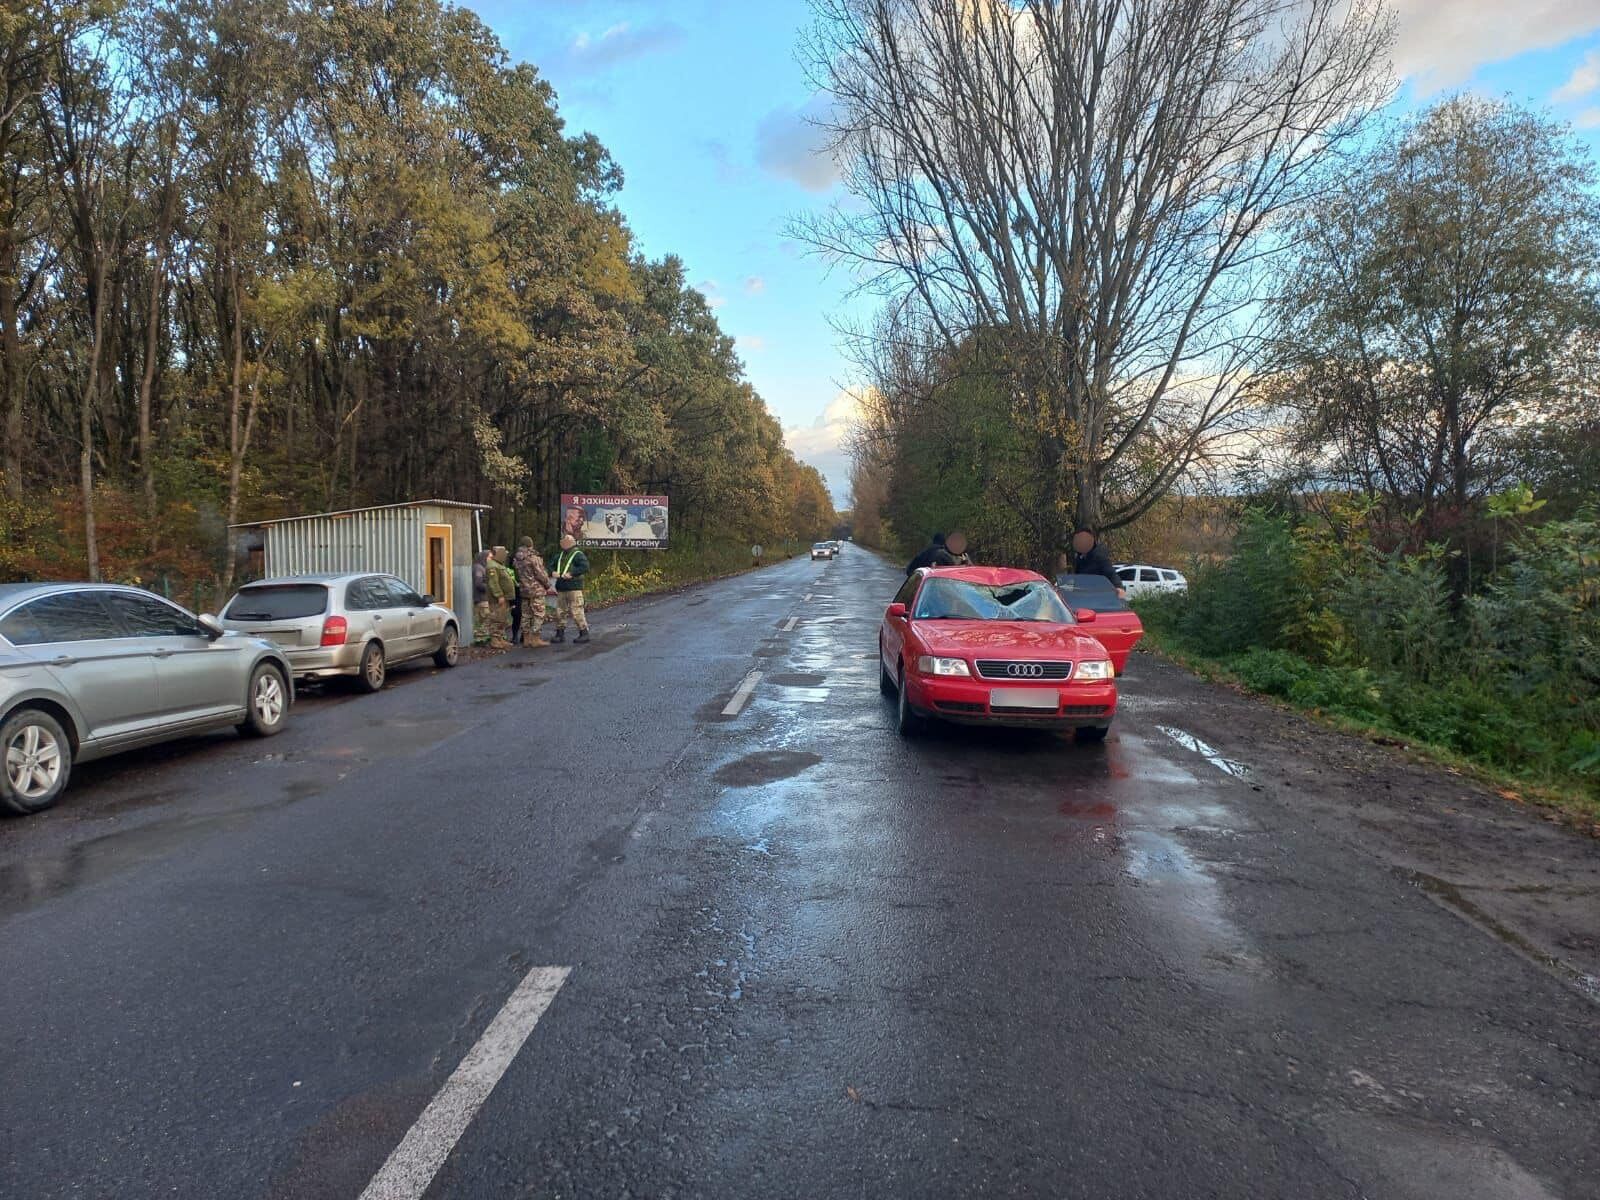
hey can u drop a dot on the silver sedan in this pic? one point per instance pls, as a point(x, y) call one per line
point(88, 670)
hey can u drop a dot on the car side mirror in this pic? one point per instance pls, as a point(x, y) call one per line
point(897, 610)
point(210, 626)
point(1084, 615)
point(427, 598)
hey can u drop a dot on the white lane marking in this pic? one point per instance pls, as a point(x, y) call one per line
point(789, 625)
point(417, 1159)
point(742, 696)
point(1189, 742)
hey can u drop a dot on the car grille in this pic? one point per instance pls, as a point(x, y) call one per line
point(1084, 710)
point(999, 668)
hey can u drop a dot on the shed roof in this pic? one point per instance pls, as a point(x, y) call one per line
point(346, 512)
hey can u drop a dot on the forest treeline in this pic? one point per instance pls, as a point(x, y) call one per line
point(272, 256)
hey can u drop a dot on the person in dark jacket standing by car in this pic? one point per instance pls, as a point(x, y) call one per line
point(1090, 557)
point(935, 555)
point(568, 566)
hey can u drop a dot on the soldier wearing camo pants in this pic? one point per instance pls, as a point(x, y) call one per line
point(568, 567)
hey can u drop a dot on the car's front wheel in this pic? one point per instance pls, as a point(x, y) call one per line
point(268, 704)
point(37, 761)
point(907, 721)
point(374, 669)
point(449, 652)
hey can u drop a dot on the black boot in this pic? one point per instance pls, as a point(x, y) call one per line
point(583, 636)
point(561, 636)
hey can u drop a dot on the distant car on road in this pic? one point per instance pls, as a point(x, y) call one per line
point(824, 550)
point(1142, 579)
point(88, 670)
point(1116, 626)
point(355, 626)
point(993, 646)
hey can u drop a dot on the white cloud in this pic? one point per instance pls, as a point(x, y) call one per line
point(790, 145)
point(620, 43)
point(751, 343)
point(755, 285)
point(712, 291)
point(1585, 78)
point(823, 442)
point(1441, 42)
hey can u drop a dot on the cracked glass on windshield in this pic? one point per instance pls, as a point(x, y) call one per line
point(960, 600)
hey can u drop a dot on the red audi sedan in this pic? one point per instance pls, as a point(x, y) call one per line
point(993, 646)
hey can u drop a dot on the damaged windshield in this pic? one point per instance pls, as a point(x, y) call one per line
point(959, 600)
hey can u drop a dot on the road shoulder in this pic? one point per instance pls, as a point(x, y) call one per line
point(1514, 870)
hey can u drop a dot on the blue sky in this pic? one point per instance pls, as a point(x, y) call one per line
point(701, 102)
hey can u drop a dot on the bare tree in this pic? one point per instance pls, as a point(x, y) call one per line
point(1100, 184)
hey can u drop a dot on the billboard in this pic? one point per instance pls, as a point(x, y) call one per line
point(615, 522)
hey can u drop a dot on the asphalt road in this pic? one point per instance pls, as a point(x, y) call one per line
point(803, 957)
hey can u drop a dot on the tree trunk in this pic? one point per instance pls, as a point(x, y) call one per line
point(152, 346)
point(11, 378)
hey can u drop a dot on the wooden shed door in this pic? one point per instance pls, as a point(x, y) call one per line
point(439, 560)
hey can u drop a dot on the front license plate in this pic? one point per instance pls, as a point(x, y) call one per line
point(1047, 699)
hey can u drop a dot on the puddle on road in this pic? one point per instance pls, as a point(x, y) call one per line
point(799, 679)
point(1188, 741)
point(765, 766)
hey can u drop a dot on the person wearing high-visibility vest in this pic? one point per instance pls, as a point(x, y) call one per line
point(567, 568)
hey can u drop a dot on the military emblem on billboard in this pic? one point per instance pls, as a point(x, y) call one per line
point(616, 522)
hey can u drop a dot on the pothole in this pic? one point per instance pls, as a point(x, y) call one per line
point(765, 766)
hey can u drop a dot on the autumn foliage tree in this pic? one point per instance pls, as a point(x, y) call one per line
point(260, 256)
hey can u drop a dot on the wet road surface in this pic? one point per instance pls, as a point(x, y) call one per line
point(676, 914)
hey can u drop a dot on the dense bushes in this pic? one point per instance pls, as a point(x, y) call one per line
point(1309, 610)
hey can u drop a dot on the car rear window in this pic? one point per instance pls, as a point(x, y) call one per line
point(278, 602)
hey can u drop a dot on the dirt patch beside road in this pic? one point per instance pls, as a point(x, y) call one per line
point(1513, 870)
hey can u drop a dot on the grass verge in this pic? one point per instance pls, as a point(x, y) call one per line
point(1573, 800)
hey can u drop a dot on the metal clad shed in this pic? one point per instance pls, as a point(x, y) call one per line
point(427, 543)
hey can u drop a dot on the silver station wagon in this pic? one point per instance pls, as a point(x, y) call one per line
point(346, 625)
point(87, 670)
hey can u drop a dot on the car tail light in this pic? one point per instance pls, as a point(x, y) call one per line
point(334, 631)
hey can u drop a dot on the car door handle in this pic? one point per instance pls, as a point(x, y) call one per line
point(161, 653)
point(376, 617)
point(64, 660)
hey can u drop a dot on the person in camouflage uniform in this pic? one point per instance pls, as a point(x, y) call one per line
point(502, 585)
point(533, 581)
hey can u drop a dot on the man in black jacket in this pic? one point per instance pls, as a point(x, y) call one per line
point(1090, 557)
point(568, 566)
point(935, 555)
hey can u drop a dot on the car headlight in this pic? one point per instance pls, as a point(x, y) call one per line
point(929, 665)
point(1096, 668)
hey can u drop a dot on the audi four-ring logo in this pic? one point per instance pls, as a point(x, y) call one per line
point(1022, 670)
